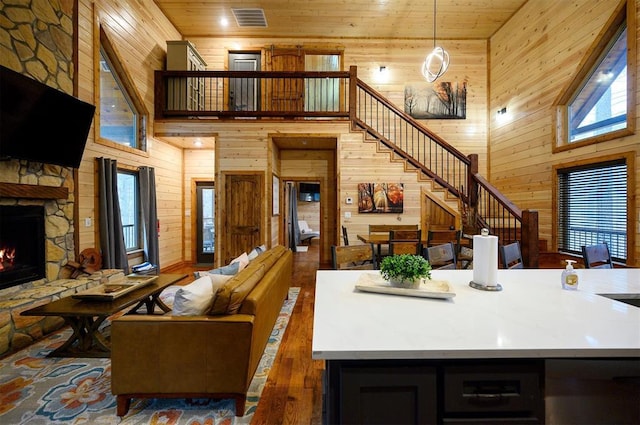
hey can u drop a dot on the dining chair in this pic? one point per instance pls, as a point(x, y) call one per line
point(511, 256)
point(345, 236)
point(441, 256)
point(353, 257)
point(597, 256)
point(464, 254)
point(439, 237)
point(404, 242)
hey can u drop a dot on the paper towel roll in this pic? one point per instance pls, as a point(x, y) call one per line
point(485, 260)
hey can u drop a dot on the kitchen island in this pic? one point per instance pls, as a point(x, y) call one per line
point(509, 355)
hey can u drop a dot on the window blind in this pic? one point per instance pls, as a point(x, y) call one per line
point(592, 208)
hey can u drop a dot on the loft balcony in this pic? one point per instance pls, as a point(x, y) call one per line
point(253, 94)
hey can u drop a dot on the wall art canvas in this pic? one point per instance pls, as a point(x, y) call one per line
point(380, 197)
point(444, 100)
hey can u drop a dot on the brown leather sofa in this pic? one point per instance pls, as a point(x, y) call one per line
point(208, 356)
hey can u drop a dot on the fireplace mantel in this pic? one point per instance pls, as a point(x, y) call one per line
point(31, 191)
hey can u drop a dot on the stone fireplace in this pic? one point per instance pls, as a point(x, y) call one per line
point(22, 253)
point(28, 186)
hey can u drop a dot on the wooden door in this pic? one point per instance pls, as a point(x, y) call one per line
point(242, 214)
point(244, 93)
point(285, 94)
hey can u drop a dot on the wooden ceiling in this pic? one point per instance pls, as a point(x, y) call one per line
point(349, 19)
point(371, 19)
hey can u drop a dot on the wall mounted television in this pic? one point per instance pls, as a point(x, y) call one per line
point(309, 192)
point(40, 123)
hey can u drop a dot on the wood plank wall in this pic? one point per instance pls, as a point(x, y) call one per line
point(529, 60)
point(533, 57)
point(138, 31)
point(403, 59)
point(359, 162)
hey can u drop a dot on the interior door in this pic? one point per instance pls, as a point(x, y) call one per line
point(244, 93)
point(286, 94)
point(242, 214)
point(205, 229)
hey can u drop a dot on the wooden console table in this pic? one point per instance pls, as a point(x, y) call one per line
point(85, 317)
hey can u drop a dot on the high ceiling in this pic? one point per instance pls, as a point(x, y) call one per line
point(398, 19)
point(317, 19)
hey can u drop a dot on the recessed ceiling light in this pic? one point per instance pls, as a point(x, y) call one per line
point(197, 143)
point(224, 22)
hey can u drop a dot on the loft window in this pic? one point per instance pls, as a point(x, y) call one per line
point(592, 207)
point(122, 118)
point(129, 199)
point(322, 94)
point(598, 104)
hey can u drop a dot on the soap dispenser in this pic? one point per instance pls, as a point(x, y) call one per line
point(569, 276)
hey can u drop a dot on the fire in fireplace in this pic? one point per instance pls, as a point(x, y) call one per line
point(22, 244)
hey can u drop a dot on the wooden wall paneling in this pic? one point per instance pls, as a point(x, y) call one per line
point(544, 43)
point(139, 46)
point(402, 58)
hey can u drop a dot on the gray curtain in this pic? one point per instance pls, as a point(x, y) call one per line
point(294, 227)
point(149, 211)
point(114, 252)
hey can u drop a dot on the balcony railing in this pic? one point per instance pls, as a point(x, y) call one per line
point(248, 94)
point(341, 95)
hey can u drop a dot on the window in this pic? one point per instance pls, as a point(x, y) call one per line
point(122, 118)
point(128, 196)
point(322, 94)
point(119, 121)
point(592, 207)
point(598, 105)
point(601, 105)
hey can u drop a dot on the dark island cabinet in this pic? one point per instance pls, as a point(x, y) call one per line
point(433, 392)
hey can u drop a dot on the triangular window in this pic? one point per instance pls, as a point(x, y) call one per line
point(596, 106)
point(122, 117)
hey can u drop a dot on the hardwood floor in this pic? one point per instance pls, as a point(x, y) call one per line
point(293, 392)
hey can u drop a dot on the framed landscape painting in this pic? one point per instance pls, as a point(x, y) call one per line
point(443, 100)
point(380, 197)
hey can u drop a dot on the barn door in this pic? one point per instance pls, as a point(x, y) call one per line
point(285, 94)
point(242, 214)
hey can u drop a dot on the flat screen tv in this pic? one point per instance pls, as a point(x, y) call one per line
point(309, 192)
point(40, 123)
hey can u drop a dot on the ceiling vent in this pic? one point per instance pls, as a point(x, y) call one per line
point(250, 17)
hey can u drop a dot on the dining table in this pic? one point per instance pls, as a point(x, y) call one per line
point(379, 239)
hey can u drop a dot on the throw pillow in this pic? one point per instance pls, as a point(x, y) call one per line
point(229, 270)
point(256, 251)
point(229, 297)
point(193, 299)
point(242, 259)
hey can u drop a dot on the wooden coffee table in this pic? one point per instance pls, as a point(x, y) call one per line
point(85, 317)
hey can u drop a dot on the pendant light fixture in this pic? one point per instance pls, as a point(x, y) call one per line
point(436, 62)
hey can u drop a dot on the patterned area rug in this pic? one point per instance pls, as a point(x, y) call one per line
point(35, 389)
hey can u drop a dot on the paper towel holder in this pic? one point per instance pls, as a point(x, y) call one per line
point(493, 288)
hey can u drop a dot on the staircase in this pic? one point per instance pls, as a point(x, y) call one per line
point(451, 172)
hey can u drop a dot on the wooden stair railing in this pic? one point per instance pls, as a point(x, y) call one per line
point(450, 168)
point(184, 94)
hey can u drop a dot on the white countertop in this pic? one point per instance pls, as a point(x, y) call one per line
point(532, 317)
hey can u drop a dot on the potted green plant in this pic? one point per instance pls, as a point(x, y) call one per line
point(405, 270)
